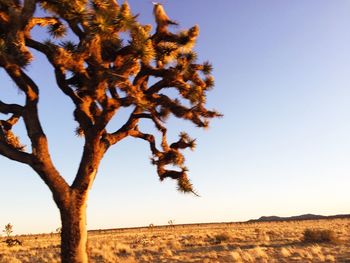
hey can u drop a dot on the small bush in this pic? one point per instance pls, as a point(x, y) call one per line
point(11, 242)
point(222, 237)
point(319, 236)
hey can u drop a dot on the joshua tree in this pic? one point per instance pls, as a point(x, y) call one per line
point(8, 230)
point(101, 74)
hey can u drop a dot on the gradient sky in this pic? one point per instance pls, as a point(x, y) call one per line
point(282, 71)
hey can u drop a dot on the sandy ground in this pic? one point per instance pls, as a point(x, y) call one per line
point(224, 242)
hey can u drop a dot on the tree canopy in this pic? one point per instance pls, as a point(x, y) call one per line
point(113, 62)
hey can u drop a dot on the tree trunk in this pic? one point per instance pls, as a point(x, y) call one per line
point(74, 232)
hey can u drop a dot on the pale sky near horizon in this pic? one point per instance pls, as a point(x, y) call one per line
point(282, 71)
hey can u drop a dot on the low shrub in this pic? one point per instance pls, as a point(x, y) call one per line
point(12, 242)
point(222, 237)
point(319, 236)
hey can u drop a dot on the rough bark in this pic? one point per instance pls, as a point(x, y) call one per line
point(74, 231)
point(73, 209)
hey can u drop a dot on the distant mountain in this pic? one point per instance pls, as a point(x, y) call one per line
point(294, 218)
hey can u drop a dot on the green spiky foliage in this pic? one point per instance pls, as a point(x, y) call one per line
point(106, 67)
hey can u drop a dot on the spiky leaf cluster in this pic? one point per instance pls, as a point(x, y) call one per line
point(65, 9)
point(57, 30)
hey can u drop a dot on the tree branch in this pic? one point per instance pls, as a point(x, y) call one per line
point(14, 154)
point(93, 152)
point(27, 12)
point(7, 125)
point(10, 108)
point(158, 86)
point(23, 81)
point(76, 30)
point(147, 137)
point(39, 47)
point(41, 160)
point(125, 130)
point(62, 84)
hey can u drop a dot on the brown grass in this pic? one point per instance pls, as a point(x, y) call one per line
point(276, 242)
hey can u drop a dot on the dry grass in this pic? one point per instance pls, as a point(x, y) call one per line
point(236, 242)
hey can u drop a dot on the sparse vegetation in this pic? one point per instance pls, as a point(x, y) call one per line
point(151, 227)
point(194, 243)
point(171, 223)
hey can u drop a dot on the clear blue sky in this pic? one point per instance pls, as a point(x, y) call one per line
point(282, 72)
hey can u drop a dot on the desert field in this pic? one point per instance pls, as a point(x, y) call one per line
point(222, 242)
